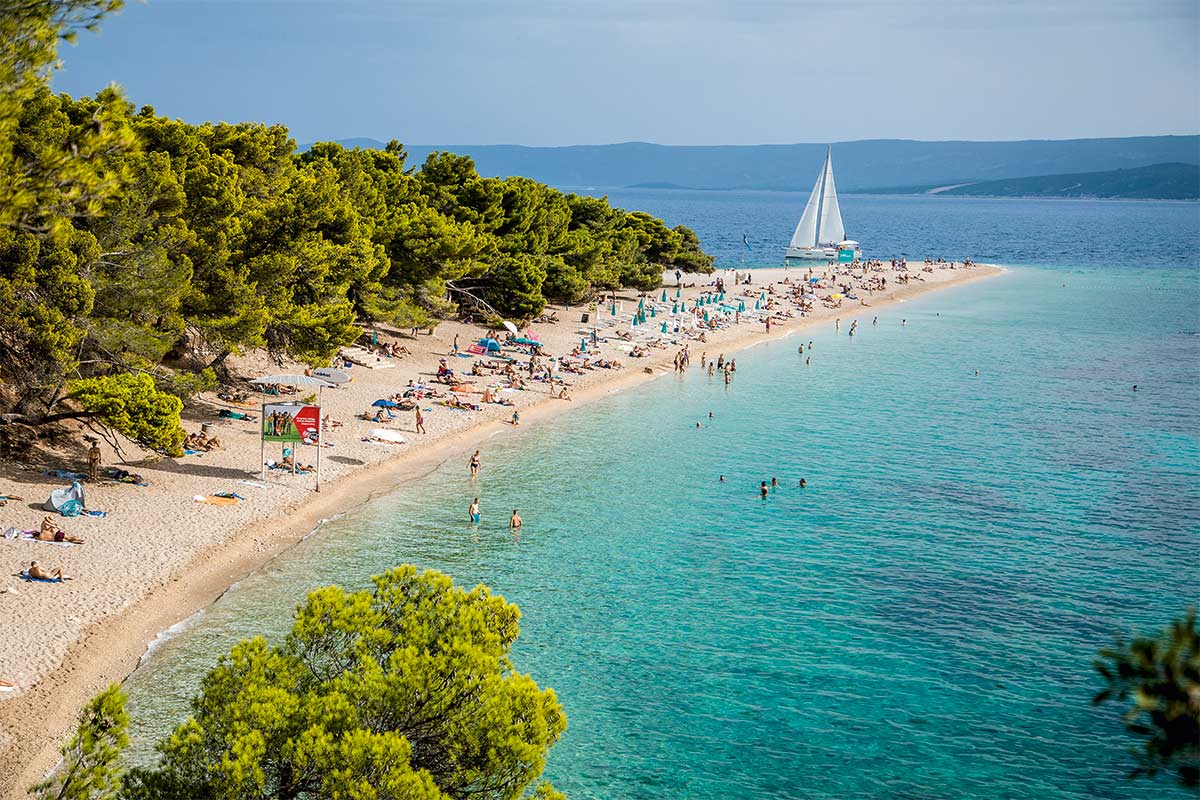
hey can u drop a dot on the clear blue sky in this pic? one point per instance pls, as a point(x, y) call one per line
point(551, 72)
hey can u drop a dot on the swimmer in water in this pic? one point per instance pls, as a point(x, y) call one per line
point(721, 479)
point(515, 522)
point(698, 425)
point(903, 322)
point(774, 483)
point(803, 483)
point(474, 511)
point(764, 490)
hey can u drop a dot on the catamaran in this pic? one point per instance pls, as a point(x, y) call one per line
point(820, 235)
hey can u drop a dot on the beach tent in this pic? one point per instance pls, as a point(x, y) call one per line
point(330, 375)
point(491, 345)
point(68, 501)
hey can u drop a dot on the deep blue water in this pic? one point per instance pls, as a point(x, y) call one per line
point(921, 620)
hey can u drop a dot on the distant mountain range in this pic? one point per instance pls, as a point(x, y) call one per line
point(1175, 181)
point(870, 164)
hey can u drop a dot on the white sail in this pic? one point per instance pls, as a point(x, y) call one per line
point(830, 230)
point(806, 229)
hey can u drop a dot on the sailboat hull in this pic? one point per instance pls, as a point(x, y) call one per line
point(830, 253)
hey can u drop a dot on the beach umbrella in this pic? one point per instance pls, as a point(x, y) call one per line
point(635, 320)
point(511, 328)
point(664, 295)
point(641, 303)
point(706, 316)
point(291, 380)
point(642, 317)
point(384, 403)
point(756, 305)
point(674, 308)
point(652, 312)
point(614, 309)
point(741, 305)
point(678, 293)
point(664, 327)
point(330, 375)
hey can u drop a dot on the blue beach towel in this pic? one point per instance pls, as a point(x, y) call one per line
point(26, 577)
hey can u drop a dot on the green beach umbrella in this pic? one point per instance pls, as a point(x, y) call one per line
point(614, 309)
point(678, 293)
point(641, 302)
point(664, 296)
point(756, 305)
point(652, 312)
point(675, 308)
point(741, 305)
point(706, 316)
point(664, 327)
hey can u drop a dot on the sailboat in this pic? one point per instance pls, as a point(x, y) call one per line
point(820, 234)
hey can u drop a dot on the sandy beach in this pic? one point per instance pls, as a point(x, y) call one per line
point(160, 554)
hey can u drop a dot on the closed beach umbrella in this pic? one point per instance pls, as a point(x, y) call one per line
point(674, 308)
point(652, 312)
point(641, 302)
point(664, 327)
point(741, 305)
point(614, 309)
point(642, 317)
point(706, 316)
point(664, 295)
point(756, 305)
point(678, 293)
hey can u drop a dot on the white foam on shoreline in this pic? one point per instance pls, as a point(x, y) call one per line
point(167, 635)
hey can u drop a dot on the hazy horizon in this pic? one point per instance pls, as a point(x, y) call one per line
point(710, 72)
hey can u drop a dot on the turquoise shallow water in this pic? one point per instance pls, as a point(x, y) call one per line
point(919, 622)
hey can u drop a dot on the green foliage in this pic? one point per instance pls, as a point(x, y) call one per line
point(1161, 676)
point(131, 405)
point(90, 768)
point(404, 691)
point(135, 243)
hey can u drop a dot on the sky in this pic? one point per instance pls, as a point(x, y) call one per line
point(559, 72)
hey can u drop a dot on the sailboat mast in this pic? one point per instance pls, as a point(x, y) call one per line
point(821, 200)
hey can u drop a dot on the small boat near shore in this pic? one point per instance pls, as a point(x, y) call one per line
point(820, 234)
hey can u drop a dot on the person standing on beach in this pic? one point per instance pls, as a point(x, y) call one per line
point(420, 420)
point(515, 522)
point(93, 460)
point(473, 510)
point(474, 466)
point(456, 344)
point(516, 419)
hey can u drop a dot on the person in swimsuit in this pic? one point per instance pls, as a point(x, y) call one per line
point(474, 511)
point(40, 573)
point(803, 483)
point(764, 490)
point(474, 466)
point(515, 522)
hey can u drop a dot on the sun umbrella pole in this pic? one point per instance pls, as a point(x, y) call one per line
point(262, 433)
point(320, 442)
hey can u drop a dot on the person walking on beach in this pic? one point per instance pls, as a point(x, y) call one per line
point(515, 522)
point(516, 419)
point(474, 465)
point(420, 420)
point(93, 460)
point(473, 510)
point(456, 344)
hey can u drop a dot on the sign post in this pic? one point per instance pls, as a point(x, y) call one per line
point(298, 423)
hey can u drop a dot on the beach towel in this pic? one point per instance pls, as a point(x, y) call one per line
point(65, 475)
point(25, 576)
point(225, 413)
point(233, 495)
point(214, 500)
point(124, 476)
point(476, 349)
point(255, 484)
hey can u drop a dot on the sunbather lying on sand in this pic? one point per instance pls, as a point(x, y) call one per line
point(50, 532)
point(40, 573)
point(200, 441)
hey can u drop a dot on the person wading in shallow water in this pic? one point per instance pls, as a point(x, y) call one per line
point(764, 490)
point(474, 465)
point(515, 522)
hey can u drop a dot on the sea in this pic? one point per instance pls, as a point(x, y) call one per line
point(989, 501)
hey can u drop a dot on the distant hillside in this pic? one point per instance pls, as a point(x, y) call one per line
point(1174, 181)
point(877, 163)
